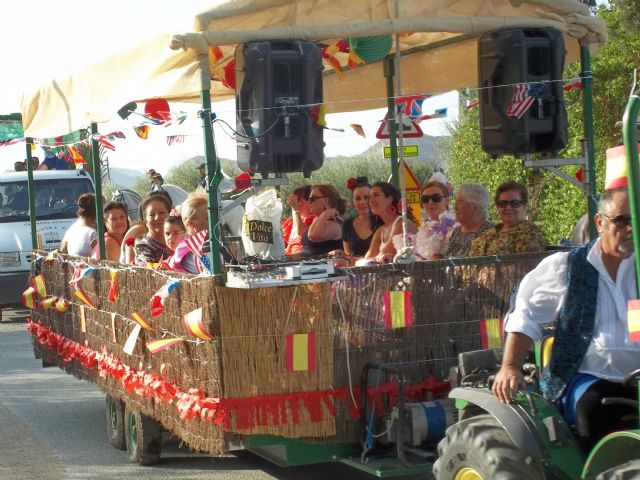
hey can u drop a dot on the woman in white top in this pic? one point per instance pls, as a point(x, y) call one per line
point(81, 238)
point(384, 201)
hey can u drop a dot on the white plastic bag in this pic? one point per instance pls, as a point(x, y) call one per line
point(261, 233)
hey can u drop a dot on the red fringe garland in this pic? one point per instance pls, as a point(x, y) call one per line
point(244, 413)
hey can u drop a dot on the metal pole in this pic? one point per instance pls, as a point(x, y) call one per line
point(214, 175)
point(630, 138)
point(97, 181)
point(32, 196)
point(590, 153)
point(389, 72)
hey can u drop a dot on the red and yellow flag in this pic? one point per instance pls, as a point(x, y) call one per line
point(156, 346)
point(62, 305)
point(491, 333)
point(78, 159)
point(397, 309)
point(83, 297)
point(301, 352)
point(195, 326)
point(113, 286)
point(48, 303)
point(83, 320)
point(142, 321)
point(38, 284)
point(142, 131)
point(27, 298)
point(633, 320)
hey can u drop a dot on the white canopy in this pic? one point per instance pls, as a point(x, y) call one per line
point(439, 55)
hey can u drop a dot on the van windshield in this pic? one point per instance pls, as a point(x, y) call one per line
point(55, 198)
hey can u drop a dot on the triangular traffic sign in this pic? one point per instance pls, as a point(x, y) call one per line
point(410, 129)
point(410, 180)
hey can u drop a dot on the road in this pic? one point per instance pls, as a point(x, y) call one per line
point(53, 428)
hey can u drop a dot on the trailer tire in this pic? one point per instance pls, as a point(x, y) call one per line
point(143, 437)
point(114, 413)
point(479, 448)
point(626, 471)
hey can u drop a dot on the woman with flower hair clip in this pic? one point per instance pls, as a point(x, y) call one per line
point(385, 203)
point(357, 231)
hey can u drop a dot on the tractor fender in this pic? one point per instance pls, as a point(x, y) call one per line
point(614, 449)
point(513, 418)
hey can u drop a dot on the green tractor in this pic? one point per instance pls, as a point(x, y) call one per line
point(525, 440)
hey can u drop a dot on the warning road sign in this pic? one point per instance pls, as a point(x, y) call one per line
point(410, 129)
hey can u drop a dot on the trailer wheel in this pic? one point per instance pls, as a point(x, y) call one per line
point(626, 471)
point(114, 413)
point(143, 437)
point(480, 449)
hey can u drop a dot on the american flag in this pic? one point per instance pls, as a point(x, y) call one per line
point(194, 244)
point(523, 96)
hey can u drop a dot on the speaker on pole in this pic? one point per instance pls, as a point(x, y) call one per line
point(278, 95)
point(521, 96)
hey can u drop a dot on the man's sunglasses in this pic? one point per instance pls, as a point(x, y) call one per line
point(621, 221)
point(435, 198)
point(313, 199)
point(511, 203)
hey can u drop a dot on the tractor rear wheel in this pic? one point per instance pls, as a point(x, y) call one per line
point(626, 471)
point(114, 413)
point(143, 436)
point(480, 449)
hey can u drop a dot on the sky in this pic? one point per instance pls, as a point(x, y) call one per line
point(54, 38)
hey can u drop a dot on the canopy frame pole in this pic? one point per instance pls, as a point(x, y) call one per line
point(630, 138)
point(97, 184)
point(214, 173)
point(32, 195)
point(389, 73)
point(589, 147)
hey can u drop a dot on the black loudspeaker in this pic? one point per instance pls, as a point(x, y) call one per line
point(520, 69)
point(276, 82)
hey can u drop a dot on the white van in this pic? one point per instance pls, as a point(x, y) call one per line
point(56, 193)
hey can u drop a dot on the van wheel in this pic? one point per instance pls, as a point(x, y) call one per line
point(480, 449)
point(114, 413)
point(143, 436)
point(626, 471)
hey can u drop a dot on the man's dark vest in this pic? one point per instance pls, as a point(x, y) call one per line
point(575, 324)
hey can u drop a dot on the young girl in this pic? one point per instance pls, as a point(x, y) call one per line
point(174, 231)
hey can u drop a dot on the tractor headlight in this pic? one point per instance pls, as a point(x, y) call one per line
point(9, 259)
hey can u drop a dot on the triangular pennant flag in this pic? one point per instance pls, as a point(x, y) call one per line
point(83, 320)
point(156, 346)
point(39, 285)
point(194, 325)
point(83, 297)
point(633, 320)
point(79, 273)
point(491, 333)
point(397, 309)
point(301, 352)
point(113, 327)
point(130, 344)
point(142, 322)
point(62, 305)
point(27, 298)
point(113, 286)
point(76, 156)
point(358, 129)
point(48, 303)
point(215, 55)
point(158, 298)
point(142, 131)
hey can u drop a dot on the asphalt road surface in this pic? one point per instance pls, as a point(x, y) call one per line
point(52, 427)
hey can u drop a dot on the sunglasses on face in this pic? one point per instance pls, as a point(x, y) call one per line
point(435, 198)
point(313, 199)
point(509, 203)
point(621, 221)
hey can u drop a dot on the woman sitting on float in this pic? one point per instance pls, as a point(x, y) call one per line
point(188, 256)
point(472, 203)
point(357, 231)
point(325, 232)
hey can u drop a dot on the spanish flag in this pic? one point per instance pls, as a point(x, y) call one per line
point(491, 333)
point(142, 321)
point(215, 55)
point(62, 305)
point(301, 352)
point(397, 309)
point(83, 320)
point(195, 326)
point(38, 284)
point(83, 297)
point(27, 298)
point(113, 286)
point(142, 131)
point(633, 320)
point(156, 346)
point(48, 303)
point(78, 159)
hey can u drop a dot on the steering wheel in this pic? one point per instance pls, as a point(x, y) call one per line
point(629, 378)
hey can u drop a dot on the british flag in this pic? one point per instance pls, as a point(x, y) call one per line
point(411, 105)
point(523, 96)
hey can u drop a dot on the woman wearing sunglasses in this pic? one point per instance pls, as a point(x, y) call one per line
point(437, 221)
point(325, 232)
point(515, 234)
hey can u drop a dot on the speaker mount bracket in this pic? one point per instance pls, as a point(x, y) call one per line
point(552, 164)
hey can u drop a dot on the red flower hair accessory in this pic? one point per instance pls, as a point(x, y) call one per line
point(175, 212)
point(351, 184)
point(129, 241)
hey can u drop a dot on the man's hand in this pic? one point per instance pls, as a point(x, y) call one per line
point(507, 382)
